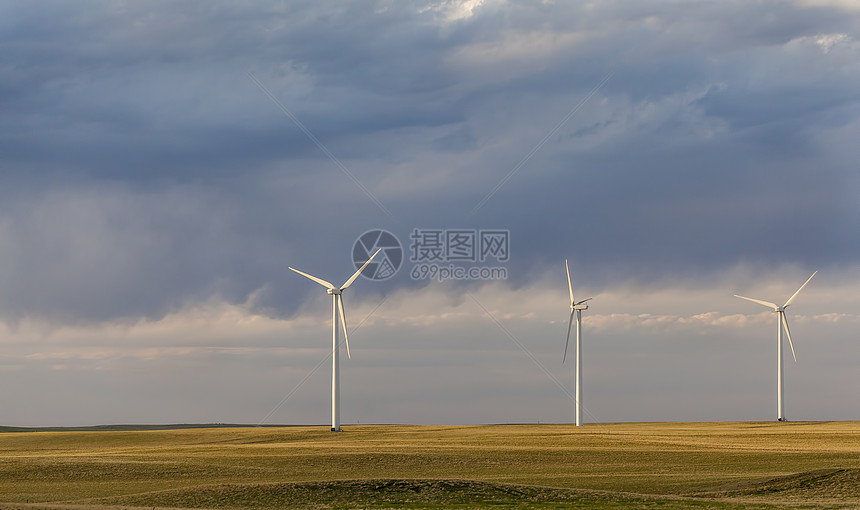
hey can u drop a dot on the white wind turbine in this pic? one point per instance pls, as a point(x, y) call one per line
point(780, 322)
point(576, 307)
point(337, 309)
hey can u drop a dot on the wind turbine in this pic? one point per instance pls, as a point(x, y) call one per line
point(780, 322)
point(577, 308)
point(337, 309)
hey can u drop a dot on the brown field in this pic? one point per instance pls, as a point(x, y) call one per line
point(642, 465)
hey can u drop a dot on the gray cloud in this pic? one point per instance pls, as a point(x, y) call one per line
point(697, 153)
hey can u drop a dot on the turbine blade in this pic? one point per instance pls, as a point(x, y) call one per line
point(569, 324)
point(314, 278)
point(798, 291)
point(355, 275)
point(343, 322)
point(583, 301)
point(788, 334)
point(569, 284)
point(759, 301)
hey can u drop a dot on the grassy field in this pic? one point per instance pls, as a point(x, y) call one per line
point(617, 466)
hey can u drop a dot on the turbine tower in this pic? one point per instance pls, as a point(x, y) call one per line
point(781, 322)
point(337, 309)
point(577, 308)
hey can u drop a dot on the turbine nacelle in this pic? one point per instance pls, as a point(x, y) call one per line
point(334, 292)
point(578, 305)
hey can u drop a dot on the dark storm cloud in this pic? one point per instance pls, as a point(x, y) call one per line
point(142, 168)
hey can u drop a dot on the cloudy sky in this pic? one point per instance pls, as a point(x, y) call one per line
point(162, 164)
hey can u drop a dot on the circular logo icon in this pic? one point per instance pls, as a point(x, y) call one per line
point(384, 265)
